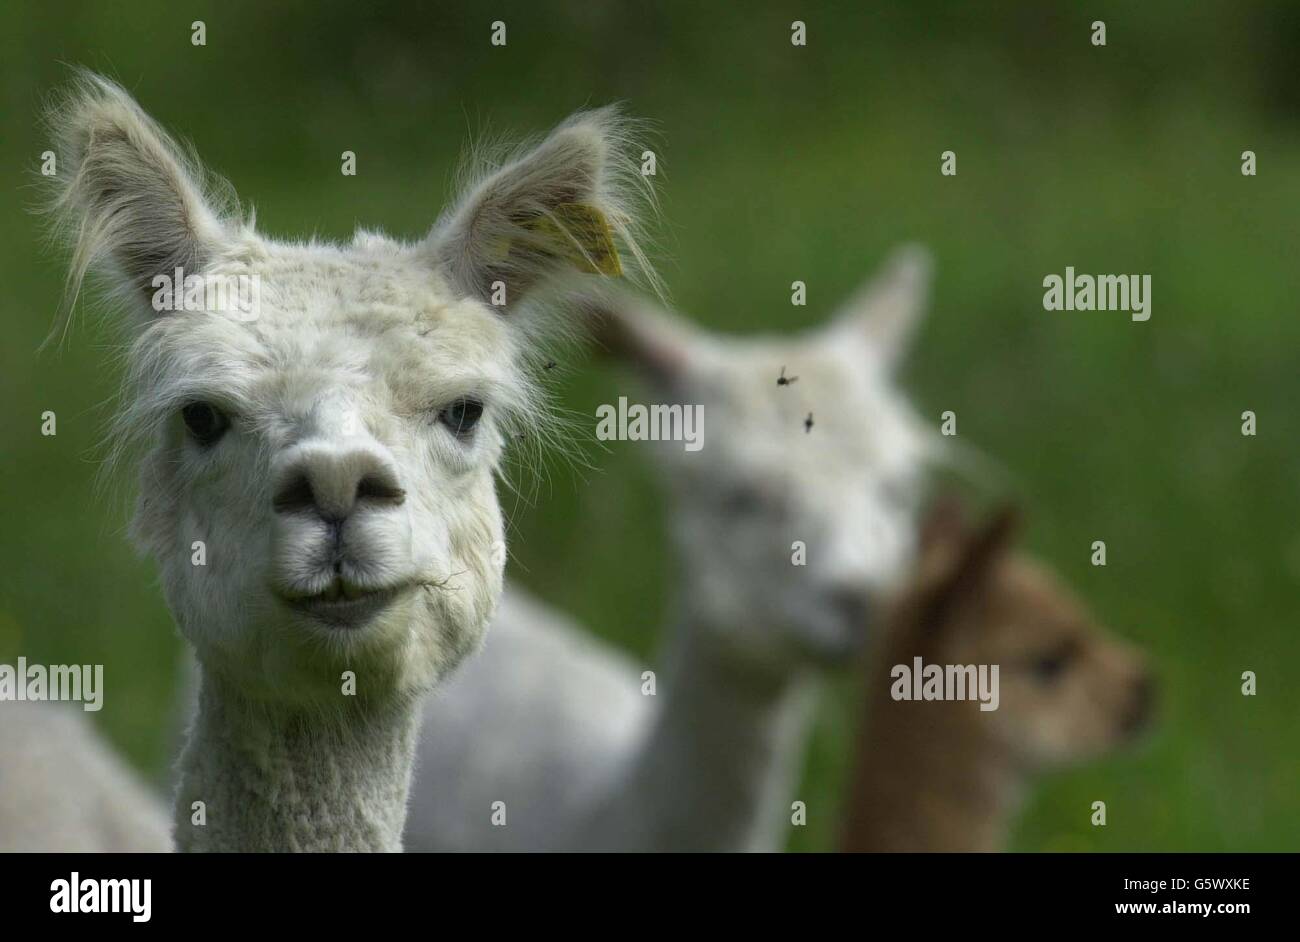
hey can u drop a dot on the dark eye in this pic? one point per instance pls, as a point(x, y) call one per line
point(461, 416)
point(1048, 668)
point(205, 421)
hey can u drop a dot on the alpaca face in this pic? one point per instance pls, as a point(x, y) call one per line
point(1068, 689)
point(346, 502)
point(787, 531)
point(318, 490)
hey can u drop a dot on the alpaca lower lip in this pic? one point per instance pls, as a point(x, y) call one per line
point(342, 611)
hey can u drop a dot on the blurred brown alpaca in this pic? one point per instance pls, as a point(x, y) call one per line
point(946, 775)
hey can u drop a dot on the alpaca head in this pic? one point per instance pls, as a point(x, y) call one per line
point(786, 530)
point(333, 447)
point(1068, 689)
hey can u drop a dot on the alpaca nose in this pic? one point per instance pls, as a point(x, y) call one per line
point(333, 483)
point(1142, 705)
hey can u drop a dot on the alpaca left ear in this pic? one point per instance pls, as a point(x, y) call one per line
point(886, 310)
point(564, 205)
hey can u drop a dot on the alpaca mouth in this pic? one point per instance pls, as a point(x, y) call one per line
point(345, 606)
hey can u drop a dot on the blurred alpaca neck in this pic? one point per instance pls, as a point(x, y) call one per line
point(272, 779)
point(927, 781)
point(720, 756)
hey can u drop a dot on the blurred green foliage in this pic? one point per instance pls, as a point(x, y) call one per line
point(781, 163)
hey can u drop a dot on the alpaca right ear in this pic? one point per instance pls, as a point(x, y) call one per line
point(564, 205)
point(126, 195)
point(884, 313)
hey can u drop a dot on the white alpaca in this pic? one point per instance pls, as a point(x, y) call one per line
point(64, 790)
point(333, 455)
point(555, 725)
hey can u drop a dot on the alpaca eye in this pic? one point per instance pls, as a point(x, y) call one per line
point(461, 416)
point(205, 422)
point(1048, 669)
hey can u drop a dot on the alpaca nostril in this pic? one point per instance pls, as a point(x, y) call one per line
point(296, 495)
point(378, 489)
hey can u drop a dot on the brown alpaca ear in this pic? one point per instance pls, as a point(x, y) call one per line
point(968, 570)
point(944, 524)
point(990, 542)
point(944, 532)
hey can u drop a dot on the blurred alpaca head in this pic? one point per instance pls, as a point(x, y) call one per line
point(799, 505)
point(940, 767)
point(1068, 689)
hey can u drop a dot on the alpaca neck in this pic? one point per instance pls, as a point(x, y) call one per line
point(927, 781)
point(274, 779)
point(719, 757)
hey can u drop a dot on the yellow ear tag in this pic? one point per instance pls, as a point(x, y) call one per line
point(582, 235)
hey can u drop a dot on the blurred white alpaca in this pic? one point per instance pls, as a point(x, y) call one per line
point(554, 725)
point(333, 453)
point(64, 789)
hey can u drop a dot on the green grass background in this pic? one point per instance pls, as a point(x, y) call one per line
point(782, 163)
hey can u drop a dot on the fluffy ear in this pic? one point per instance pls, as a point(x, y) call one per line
point(562, 205)
point(886, 310)
point(126, 196)
point(640, 332)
